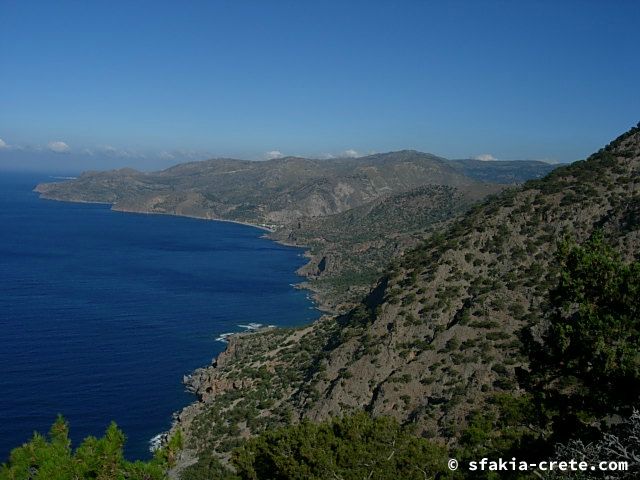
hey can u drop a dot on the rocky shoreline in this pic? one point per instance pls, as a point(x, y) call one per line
point(212, 382)
point(204, 384)
point(367, 360)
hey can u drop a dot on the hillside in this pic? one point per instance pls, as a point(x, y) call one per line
point(353, 214)
point(280, 191)
point(441, 333)
point(349, 251)
point(274, 192)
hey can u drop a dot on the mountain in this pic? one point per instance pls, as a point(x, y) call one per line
point(279, 191)
point(441, 333)
point(273, 192)
point(353, 214)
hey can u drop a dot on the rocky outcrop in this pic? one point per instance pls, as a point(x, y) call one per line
point(209, 382)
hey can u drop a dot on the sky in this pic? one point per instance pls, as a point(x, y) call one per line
point(107, 84)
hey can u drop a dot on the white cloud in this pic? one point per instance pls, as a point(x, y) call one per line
point(164, 155)
point(58, 147)
point(350, 153)
point(273, 154)
point(3, 144)
point(486, 157)
point(109, 150)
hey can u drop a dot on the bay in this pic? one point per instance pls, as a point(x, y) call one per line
point(102, 313)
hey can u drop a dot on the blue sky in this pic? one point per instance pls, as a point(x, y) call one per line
point(147, 84)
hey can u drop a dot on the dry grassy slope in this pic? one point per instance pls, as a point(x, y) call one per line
point(439, 333)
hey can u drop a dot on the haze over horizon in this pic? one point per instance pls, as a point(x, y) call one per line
point(148, 85)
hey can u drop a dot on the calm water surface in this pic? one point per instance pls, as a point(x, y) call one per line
point(102, 313)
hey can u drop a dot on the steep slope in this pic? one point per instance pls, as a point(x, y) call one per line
point(440, 332)
point(447, 326)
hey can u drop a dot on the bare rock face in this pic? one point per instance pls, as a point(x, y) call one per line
point(209, 382)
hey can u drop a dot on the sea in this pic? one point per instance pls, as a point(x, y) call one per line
point(103, 312)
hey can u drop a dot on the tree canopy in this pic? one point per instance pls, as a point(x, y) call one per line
point(52, 458)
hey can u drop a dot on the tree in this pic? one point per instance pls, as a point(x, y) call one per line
point(621, 445)
point(96, 458)
point(588, 366)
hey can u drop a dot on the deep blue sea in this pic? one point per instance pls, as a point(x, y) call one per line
point(102, 313)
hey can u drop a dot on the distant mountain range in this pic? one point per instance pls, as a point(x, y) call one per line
point(281, 191)
point(502, 171)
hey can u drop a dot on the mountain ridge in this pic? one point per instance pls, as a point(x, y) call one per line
point(401, 169)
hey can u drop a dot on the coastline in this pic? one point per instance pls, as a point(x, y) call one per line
point(44, 196)
point(210, 382)
point(233, 340)
point(195, 217)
